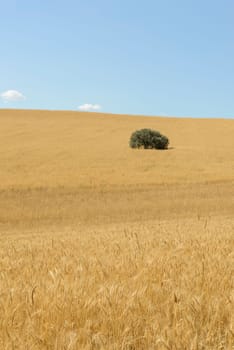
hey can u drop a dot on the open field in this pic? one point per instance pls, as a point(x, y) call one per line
point(105, 247)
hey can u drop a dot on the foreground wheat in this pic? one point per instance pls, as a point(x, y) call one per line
point(152, 286)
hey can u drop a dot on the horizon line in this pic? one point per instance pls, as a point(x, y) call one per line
point(114, 114)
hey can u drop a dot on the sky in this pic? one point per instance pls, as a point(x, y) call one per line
point(151, 57)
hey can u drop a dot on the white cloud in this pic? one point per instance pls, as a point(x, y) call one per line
point(12, 96)
point(89, 107)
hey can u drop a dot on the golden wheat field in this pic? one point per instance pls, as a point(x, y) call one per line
point(106, 247)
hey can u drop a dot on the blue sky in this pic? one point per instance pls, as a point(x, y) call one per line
point(123, 56)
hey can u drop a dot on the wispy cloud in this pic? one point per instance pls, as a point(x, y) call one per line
point(12, 96)
point(89, 107)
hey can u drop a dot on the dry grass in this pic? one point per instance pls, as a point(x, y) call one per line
point(153, 286)
point(103, 247)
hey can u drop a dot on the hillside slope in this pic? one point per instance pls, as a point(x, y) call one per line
point(105, 247)
point(73, 166)
point(42, 148)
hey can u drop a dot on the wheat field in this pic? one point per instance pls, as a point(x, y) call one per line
point(105, 247)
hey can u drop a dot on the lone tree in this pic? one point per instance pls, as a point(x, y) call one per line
point(148, 139)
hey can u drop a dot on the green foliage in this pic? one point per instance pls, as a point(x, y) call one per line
point(148, 139)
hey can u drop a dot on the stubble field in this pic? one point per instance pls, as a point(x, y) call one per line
point(105, 247)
